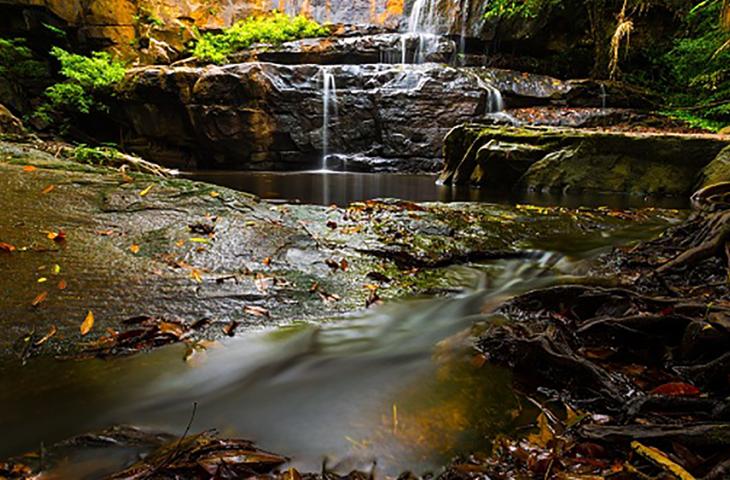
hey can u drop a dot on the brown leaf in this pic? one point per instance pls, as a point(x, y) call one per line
point(58, 236)
point(48, 189)
point(6, 247)
point(332, 264)
point(48, 335)
point(39, 299)
point(62, 284)
point(331, 224)
point(87, 324)
point(344, 265)
point(266, 261)
point(134, 248)
point(174, 329)
point(256, 311)
point(676, 389)
point(230, 328)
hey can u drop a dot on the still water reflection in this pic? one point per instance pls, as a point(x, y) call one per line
point(342, 188)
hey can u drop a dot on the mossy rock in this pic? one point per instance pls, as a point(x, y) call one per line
point(562, 159)
point(716, 171)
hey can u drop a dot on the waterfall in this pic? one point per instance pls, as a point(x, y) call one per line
point(462, 39)
point(424, 26)
point(329, 107)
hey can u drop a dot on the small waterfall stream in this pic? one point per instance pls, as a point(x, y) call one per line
point(423, 25)
point(329, 109)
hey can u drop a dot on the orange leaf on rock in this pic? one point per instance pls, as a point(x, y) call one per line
point(48, 189)
point(6, 247)
point(87, 324)
point(134, 248)
point(29, 168)
point(58, 236)
point(39, 299)
point(676, 389)
point(62, 285)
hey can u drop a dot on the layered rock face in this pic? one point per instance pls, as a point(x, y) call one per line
point(270, 116)
point(568, 160)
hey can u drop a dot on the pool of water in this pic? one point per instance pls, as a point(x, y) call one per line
point(342, 188)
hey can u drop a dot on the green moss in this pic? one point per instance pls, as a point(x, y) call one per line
point(275, 28)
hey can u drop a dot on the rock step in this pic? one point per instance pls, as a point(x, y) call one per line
point(563, 159)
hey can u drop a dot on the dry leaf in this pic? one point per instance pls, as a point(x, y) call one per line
point(42, 280)
point(87, 324)
point(134, 248)
point(6, 247)
point(56, 269)
point(62, 285)
point(146, 190)
point(39, 299)
point(545, 435)
point(195, 275)
point(266, 261)
point(214, 194)
point(199, 240)
point(48, 335)
point(255, 310)
point(58, 236)
point(29, 168)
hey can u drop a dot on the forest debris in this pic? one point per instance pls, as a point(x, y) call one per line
point(47, 336)
point(676, 389)
point(660, 459)
point(40, 298)
point(87, 324)
point(6, 247)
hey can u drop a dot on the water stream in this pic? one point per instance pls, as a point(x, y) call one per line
point(396, 384)
point(329, 110)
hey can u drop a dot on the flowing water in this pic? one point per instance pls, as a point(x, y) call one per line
point(424, 25)
point(396, 385)
point(329, 110)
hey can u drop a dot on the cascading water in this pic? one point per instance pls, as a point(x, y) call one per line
point(329, 109)
point(423, 26)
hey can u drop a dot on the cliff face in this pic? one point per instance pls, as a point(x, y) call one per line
point(117, 25)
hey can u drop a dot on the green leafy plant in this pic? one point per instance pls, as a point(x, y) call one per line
point(87, 78)
point(17, 62)
point(274, 28)
point(102, 155)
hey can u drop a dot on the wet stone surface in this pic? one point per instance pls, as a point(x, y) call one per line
point(174, 260)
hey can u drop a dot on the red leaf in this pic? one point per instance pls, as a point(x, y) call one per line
point(676, 389)
point(6, 247)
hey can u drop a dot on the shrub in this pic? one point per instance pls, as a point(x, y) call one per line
point(274, 28)
point(103, 155)
point(17, 62)
point(86, 79)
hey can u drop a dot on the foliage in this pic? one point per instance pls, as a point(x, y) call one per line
point(95, 155)
point(17, 62)
point(517, 8)
point(86, 78)
point(699, 64)
point(274, 28)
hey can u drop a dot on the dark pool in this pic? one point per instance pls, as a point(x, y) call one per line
point(342, 188)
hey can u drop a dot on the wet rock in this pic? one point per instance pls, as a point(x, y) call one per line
point(264, 116)
point(549, 159)
point(9, 123)
point(718, 170)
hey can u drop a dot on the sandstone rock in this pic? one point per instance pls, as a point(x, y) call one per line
point(558, 159)
point(9, 123)
point(718, 170)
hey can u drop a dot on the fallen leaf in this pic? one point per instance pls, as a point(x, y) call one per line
point(171, 328)
point(214, 194)
point(48, 189)
point(676, 389)
point(56, 269)
point(29, 168)
point(6, 247)
point(42, 280)
point(62, 285)
point(266, 261)
point(661, 460)
point(48, 335)
point(199, 240)
point(134, 248)
point(146, 190)
point(105, 233)
point(87, 324)
point(230, 328)
point(543, 437)
point(58, 236)
point(195, 275)
point(39, 299)
point(180, 243)
point(255, 310)
point(344, 265)
point(331, 224)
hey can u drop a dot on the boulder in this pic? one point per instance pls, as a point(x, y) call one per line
point(570, 160)
point(9, 123)
point(718, 170)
